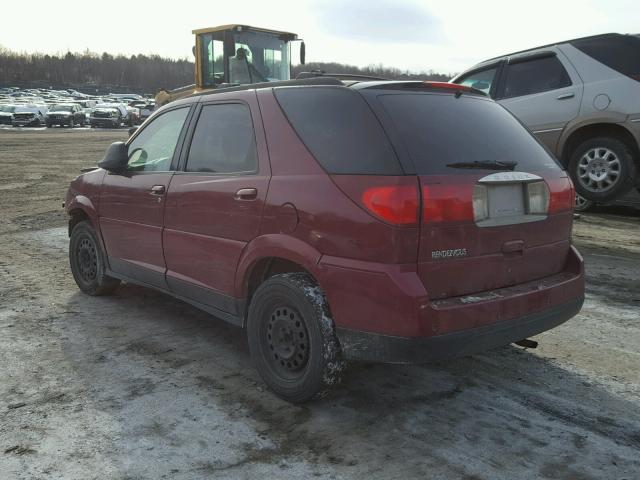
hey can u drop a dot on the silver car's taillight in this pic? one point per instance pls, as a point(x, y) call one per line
point(538, 198)
point(480, 203)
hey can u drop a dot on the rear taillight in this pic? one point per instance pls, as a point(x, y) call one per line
point(480, 203)
point(447, 203)
point(396, 204)
point(537, 198)
point(562, 196)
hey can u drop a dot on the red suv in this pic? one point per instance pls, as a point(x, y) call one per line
point(380, 221)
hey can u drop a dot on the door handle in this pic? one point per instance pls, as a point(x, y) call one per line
point(247, 194)
point(566, 96)
point(157, 190)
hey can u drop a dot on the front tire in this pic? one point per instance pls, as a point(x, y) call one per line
point(292, 339)
point(602, 169)
point(88, 262)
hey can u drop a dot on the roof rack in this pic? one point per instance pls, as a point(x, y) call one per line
point(282, 83)
point(344, 76)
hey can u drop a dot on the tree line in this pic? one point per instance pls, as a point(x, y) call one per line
point(103, 73)
point(379, 70)
point(88, 71)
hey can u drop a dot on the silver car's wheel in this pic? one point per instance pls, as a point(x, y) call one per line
point(602, 168)
point(582, 204)
point(599, 169)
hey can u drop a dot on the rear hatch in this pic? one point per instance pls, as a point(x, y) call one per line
point(496, 208)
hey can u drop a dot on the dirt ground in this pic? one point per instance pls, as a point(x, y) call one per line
point(142, 386)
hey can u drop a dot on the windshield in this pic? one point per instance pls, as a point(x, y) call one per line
point(259, 57)
point(60, 108)
point(7, 108)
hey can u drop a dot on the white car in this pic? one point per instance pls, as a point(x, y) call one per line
point(29, 116)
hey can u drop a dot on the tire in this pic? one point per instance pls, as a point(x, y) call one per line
point(72, 123)
point(88, 262)
point(582, 204)
point(49, 125)
point(304, 360)
point(602, 169)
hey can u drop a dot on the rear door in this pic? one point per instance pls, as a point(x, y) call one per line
point(482, 228)
point(543, 92)
point(132, 202)
point(214, 204)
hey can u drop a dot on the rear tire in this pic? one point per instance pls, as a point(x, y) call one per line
point(292, 339)
point(88, 262)
point(602, 169)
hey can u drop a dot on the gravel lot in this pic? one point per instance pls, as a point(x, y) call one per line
point(142, 386)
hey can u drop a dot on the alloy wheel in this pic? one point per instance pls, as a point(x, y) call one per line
point(598, 169)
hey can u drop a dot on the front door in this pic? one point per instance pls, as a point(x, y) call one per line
point(214, 206)
point(132, 202)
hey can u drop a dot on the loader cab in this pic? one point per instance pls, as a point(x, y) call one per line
point(239, 55)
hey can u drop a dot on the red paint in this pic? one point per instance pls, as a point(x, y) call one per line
point(368, 240)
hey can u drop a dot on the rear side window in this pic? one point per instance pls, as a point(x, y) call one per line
point(619, 52)
point(535, 76)
point(223, 141)
point(438, 130)
point(339, 129)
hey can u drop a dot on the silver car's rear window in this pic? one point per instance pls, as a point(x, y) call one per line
point(619, 52)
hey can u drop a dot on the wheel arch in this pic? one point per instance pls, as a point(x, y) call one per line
point(81, 208)
point(600, 129)
point(270, 255)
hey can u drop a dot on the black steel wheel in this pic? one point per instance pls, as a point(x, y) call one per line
point(292, 339)
point(87, 262)
point(285, 336)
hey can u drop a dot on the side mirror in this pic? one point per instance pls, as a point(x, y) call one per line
point(116, 157)
point(133, 130)
point(302, 53)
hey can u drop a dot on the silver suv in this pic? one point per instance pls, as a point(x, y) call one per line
point(581, 98)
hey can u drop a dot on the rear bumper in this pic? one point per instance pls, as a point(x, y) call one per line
point(372, 347)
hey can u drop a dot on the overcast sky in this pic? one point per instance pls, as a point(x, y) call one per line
point(445, 36)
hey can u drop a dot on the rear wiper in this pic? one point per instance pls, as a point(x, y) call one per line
point(485, 164)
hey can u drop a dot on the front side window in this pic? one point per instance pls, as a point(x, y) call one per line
point(153, 149)
point(535, 76)
point(223, 141)
point(480, 80)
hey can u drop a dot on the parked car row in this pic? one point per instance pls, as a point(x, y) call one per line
point(69, 108)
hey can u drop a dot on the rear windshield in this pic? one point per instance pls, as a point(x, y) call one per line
point(339, 129)
point(619, 52)
point(438, 130)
